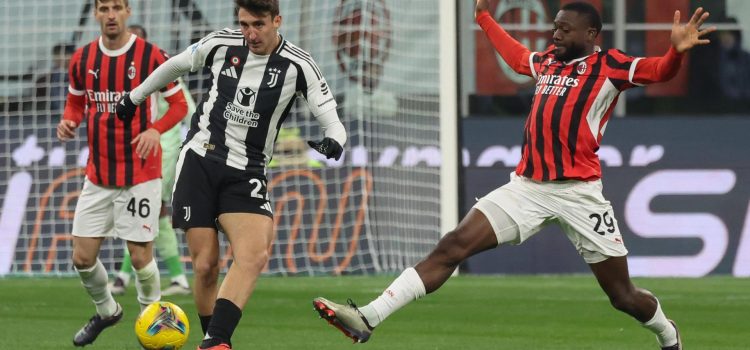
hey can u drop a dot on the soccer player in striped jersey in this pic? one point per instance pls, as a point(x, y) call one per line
point(558, 178)
point(121, 194)
point(256, 75)
point(166, 240)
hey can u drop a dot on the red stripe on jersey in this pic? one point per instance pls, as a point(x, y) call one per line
point(112, 158)
point(119, 145)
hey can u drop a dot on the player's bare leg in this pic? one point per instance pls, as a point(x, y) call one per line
point(474, 234)
point(614, 278)
point(203, 244)
point(250, 236)
point(94, 279)
point(147, 279)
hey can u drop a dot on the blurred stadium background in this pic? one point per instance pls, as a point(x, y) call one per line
point(674, 159)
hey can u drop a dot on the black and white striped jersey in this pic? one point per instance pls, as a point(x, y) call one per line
point(249, 97)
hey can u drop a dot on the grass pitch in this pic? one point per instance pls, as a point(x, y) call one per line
point(498, 312)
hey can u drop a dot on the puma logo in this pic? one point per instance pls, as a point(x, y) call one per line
point(95, 73)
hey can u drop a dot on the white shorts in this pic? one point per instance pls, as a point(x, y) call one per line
point(130, 213)
point(577, 206)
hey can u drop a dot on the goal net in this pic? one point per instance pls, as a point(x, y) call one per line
point(375, 210)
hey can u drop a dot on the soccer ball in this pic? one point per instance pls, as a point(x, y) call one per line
point(162, 326)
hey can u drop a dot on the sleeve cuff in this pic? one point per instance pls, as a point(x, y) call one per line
point(483, 14)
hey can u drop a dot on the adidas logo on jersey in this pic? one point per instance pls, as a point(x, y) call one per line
point(267, 206)
point(230, 72)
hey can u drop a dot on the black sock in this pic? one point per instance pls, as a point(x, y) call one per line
point(223, 322)
point(205, 320)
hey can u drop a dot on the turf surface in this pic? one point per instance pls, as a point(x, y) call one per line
point(497, 312)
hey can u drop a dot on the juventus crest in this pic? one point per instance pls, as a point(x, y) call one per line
point(274, 73)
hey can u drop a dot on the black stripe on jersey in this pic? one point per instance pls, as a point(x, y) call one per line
point(210, 57)
point(95, 125)
point(529, 168)
point(218, 124)
point(111, 119)
point(209, 61)
point(615, 64)
point(618, 83)
point(301, 80)
point(305, 57)
point(266, 103)
point(539, 139)
point(82, 68)
point(557, 114)
point(577, 114)
point(127, 135)
point(529, 139)
point(94, 153)
point(282, 45)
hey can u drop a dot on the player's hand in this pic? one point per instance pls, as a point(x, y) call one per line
point(685, 37)
point(125, 108)
point(147, 143)
point(66, 130)
point(482, 5)
point(328, 147)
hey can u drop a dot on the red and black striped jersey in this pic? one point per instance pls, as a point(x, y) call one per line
point(101, 76)
point(573, 102)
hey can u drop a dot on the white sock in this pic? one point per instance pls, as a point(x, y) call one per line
point(659, 325)
point(125, 277)
point(405, 288)
point(94, 280)
point(181, 280)
point(147, 284)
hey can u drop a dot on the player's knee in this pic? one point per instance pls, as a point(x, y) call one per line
point(141, 257)
point(450, 249)
point(253, 262)
point(624, 301)
point(206, 269)
point(81, 261)
point(140, 261)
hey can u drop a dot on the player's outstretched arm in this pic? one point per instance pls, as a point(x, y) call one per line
point(685, 36)
point(513, 53)
point(166, 73)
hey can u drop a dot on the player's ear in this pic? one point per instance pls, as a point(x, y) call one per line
point(277, 21)
point(592, 33)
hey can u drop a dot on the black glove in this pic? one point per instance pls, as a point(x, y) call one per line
point(328, 146)
point(125, 108)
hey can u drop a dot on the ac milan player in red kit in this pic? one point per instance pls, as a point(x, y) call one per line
point(121, 195)
point(558, 177)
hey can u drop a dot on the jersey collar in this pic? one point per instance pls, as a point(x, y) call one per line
point(120, 51)
point(596, 49)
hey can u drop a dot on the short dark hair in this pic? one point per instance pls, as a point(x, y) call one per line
point(587, 10)
point(139, 27)
point(96, 2)
point(259, 7)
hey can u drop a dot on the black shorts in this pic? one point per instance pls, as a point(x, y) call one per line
point(205, 189)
